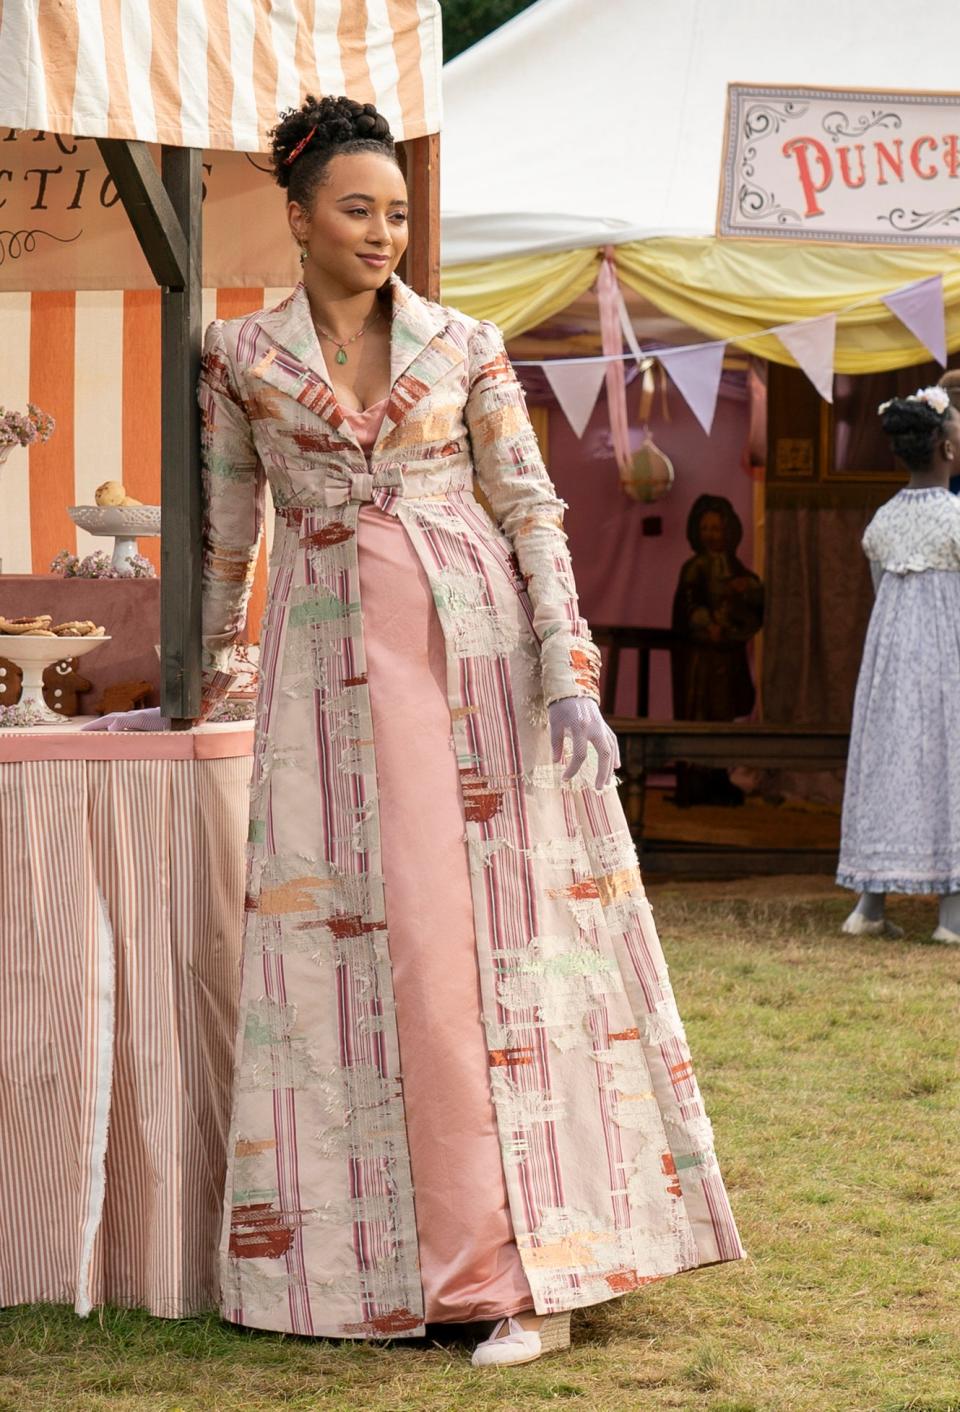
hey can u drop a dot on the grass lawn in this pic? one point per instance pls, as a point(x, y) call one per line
point(830, 1070)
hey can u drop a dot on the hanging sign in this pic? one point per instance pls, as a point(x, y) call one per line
point(62, 225)
point(854, 166)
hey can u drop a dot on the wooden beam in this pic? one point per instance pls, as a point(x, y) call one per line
point(149, 208)
point(420, 267)
point(181, 528)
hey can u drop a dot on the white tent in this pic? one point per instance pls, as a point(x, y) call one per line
point(586, 121)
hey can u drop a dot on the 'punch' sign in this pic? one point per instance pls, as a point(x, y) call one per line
point(841, 165)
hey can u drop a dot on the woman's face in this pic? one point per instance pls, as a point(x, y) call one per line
point(355, 230)
point(712, 533)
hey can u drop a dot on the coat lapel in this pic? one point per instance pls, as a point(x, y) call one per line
point(293, 362)
point(424, 346)
point(423, 349)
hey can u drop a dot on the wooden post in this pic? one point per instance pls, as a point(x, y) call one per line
point(180, 545)
point(165, 211)
point(155, 221)
point(420, 267)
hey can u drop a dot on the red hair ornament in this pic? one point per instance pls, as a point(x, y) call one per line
point(299, 147)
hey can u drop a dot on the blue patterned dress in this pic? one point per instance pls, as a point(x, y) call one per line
point(901, 806)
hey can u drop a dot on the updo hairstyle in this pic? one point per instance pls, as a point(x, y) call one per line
point(306, 138)
point(914, 428)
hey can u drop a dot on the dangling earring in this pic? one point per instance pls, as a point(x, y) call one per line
point(303, 255)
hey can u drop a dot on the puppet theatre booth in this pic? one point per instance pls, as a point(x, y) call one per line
point(760, 266)
point(136, 208)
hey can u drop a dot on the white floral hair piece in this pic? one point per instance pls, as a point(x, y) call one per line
point(936, 397)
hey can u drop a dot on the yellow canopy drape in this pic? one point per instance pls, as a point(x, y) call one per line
point(521, 291)
point(730, 289)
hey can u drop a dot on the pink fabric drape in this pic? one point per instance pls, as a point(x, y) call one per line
point(611, 332)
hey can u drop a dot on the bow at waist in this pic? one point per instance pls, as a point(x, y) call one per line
point(418, 480)
point(358, 486)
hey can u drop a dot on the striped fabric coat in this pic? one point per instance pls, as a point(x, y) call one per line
point(608, 1154)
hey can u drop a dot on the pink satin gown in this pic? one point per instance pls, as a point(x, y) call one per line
point(470, 1265)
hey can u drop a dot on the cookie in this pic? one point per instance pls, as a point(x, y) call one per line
point(79, 628)
point(15, 626)
point(125, 696)
point(63, 685)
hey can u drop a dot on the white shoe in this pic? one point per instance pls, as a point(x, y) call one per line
point(520, 1345)
point(857, 925)
point(946, 935)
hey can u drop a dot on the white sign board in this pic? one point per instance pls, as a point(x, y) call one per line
point(841, 165)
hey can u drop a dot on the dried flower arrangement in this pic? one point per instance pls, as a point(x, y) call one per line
point(98, 566)
point(25, 428)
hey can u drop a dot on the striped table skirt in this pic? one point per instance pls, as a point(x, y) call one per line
point(121, 904)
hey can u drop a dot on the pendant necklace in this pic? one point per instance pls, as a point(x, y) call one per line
point(342, 347)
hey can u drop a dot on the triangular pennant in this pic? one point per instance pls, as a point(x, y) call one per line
point(576, 387)
point(695, 373)
point(920, 307)
point(812, 343)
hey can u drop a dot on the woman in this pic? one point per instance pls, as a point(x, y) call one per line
point(901, 822)
point(462, 1087)
point(717, 609)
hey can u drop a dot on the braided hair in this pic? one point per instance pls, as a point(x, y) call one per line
point(306, 138)
point(914, 428)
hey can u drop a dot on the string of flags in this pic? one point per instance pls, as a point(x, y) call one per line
point(695, 369)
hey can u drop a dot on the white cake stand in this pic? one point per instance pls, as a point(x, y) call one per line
point(34, 654)
point(127, 524)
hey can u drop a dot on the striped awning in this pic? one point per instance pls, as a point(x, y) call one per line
point(213, 73)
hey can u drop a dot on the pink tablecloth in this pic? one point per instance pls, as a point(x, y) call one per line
point(121, 895)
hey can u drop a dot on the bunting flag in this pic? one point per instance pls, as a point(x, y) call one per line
point(695, 372)
point(811, 344)
point(576, 386)
point(919, 307)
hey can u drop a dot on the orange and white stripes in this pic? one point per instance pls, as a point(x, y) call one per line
point(92, 359)
point(213, 73)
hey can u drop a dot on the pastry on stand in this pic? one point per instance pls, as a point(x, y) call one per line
point(33, 645)
point(117, 513)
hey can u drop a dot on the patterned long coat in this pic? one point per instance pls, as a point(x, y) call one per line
point(607, 1152)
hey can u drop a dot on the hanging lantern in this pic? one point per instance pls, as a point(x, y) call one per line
point(649, 474)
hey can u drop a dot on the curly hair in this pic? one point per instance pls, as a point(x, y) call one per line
point(914, 428)
point(306, 138)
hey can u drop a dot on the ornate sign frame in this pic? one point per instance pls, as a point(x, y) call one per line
point(850, 166)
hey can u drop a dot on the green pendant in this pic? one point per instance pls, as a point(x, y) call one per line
point(342, 356)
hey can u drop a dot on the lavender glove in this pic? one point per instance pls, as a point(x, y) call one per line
point(580, 716)
point(149, 719)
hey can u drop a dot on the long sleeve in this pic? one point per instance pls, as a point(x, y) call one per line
point(514, 479)
point(233, 499)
